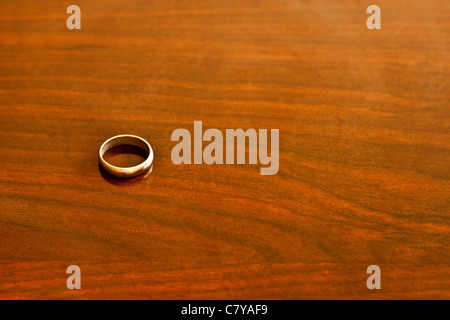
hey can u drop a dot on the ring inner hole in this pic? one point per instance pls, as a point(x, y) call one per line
point(125, 156)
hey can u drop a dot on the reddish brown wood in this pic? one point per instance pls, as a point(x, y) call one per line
point(364, 149)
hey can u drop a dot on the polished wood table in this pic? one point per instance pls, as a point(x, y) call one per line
point(364, 120)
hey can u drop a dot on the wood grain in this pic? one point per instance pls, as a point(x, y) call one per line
point(364, 149)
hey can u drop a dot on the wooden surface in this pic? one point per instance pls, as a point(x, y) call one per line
point(364, 149)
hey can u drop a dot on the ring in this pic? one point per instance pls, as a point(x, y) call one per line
point(130, 140)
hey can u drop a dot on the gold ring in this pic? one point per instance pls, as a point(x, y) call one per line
point(130, 140)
